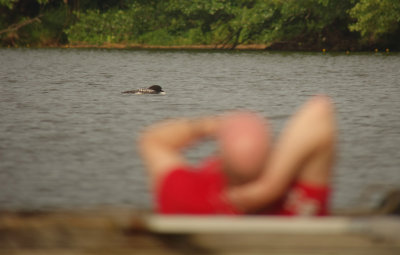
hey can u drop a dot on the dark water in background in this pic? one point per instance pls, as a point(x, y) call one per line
point(67, 134)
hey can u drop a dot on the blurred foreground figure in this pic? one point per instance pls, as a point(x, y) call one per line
point(248, 175)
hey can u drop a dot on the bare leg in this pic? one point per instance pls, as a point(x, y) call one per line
point(304, 152)
point(313, 129)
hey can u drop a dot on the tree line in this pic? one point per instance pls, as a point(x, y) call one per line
point(277, 24)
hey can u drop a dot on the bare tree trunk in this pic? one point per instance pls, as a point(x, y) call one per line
point(15, 27)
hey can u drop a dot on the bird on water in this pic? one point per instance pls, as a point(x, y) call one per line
point(154, 89)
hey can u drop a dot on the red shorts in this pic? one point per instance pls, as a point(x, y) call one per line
point(302, 199)
point(184, 191)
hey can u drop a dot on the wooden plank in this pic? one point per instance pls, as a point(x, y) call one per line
point(248, 224)
point(127, 232)
point(379, 226)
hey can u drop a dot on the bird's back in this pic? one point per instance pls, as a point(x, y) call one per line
point(141, 91)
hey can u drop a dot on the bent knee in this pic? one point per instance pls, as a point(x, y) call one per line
point(321, 106)
point(320, 116)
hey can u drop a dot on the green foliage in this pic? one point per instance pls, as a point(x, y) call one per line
point(375, 18)
point(305, 18)
point(8, 3)
point(297, 24)
point(95, 27)
point(28, 23)
point(50, 30)
point(243, 24)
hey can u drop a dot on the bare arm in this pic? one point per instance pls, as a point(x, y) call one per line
point(304, 149)
point(161, 144)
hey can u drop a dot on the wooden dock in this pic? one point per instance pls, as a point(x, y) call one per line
point(123, 232)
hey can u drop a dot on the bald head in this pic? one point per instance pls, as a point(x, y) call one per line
point(243, 142)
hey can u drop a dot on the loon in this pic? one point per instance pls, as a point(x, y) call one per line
point(154, 89)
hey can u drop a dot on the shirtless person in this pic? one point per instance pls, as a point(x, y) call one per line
point(248, 175)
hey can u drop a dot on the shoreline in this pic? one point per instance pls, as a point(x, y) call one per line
point(167, 47)
point(219, 47)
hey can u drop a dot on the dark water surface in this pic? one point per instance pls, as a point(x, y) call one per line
point(67, 134)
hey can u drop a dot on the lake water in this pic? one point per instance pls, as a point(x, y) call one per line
point(67, 134)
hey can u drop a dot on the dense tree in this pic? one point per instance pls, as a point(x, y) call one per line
point(376, 19)
point(279, 24)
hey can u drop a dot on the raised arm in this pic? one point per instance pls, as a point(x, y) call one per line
point(161, 144)
point(304, 151)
